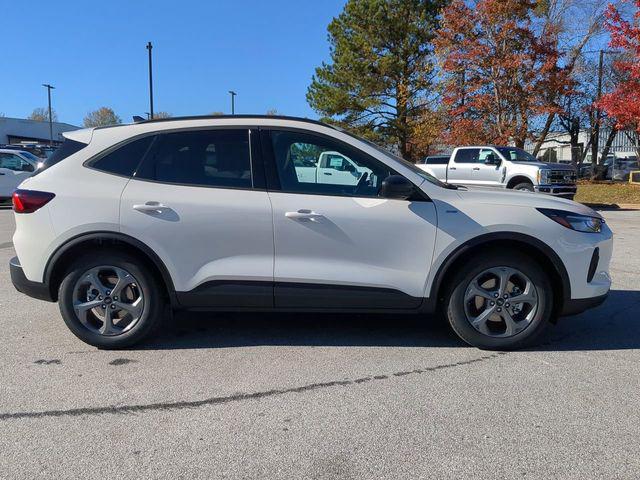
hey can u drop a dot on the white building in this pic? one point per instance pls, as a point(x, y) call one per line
point(557, 147)
point(20, 130)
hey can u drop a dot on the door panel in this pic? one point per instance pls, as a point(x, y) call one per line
point(192, 202)
point(489, 175)
point(345, 242)
point(461, 167)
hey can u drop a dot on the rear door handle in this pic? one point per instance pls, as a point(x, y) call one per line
point(304, 215)
point(153, 207)
point(476, 168)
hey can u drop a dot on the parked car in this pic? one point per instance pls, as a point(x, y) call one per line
point(41, 151)
point(503, 167)
point(620, 168)
point(212, 213)
point(15, 166)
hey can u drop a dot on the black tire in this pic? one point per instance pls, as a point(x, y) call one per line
point(524, 186)
point(455, 301)
point(152, 312)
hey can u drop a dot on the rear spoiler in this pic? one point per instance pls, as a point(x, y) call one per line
point(83, 135)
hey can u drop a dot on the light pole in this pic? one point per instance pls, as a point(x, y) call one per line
point(233, 103)
point(150, 47)
point(49, 88)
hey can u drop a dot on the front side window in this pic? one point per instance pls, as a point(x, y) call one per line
point(213, 158)
point(313, 164)
point(12, 162)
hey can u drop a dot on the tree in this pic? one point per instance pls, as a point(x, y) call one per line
point(272, 112)
point(41, 114)
point(623, 102)
point(101, 117)
point(162, 115)
point(216, 113)
point(380, 79)
point(501, 73)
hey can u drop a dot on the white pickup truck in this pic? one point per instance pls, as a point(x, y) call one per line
point(502, 167)
point(331, 167)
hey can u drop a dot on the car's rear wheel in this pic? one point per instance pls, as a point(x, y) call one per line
point(500, 301)
point(110, 300)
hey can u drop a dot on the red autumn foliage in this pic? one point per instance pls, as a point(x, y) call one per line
point(623, 103)
point(501, 71)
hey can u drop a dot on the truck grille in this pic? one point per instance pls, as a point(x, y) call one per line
point(562, 177)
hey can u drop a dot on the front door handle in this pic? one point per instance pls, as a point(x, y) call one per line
point(304, 215)
point(151, 207)
point(452, 168)
point(328, 173)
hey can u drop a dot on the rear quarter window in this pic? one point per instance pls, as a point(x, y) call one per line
point(124, 160)
point(68, 148)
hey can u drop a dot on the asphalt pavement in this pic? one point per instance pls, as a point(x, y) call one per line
point(322, 396)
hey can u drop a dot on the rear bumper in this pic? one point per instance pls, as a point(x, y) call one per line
point(567, 191)
point(579, 305)
point(23, 285)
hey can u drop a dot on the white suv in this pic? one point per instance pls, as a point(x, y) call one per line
point(214, 213)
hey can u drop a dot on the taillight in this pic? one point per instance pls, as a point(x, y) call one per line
point(28, 201)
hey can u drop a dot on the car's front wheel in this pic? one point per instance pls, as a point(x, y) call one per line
point(500, 300)
point(110, 300)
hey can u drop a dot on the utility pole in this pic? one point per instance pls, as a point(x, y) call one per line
point(49, 88)
point(149, 47)
point(595, 142)
point(233, 103)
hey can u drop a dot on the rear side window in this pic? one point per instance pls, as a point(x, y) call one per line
point(439, 160)
point(125, 159)
point(68, 148)
point(468, 155)
point(211, 158)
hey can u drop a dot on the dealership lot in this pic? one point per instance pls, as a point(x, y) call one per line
point(321, 396)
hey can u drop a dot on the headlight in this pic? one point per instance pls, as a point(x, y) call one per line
point(543, 176)
point(574, 221)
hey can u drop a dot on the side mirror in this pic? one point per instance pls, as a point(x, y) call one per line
point(396, 187)
point(491, 159)
point(27, 167)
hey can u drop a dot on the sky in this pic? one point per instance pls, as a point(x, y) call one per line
point(94, 53)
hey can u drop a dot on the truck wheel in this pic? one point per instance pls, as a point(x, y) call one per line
point(500, 301)
point(524, 186)
point(110, 300)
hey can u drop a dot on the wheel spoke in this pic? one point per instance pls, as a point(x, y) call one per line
point(95, 282)
point(124, 279)
point(480, 322)
point(107, 323)
point(528, 296)
point(512, 327)
point(504, 274)
point(134, 309)
point(476, 290)
point(81, 309)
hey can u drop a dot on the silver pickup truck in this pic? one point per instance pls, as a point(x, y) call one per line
point(502, 167)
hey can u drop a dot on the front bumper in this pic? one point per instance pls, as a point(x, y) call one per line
point(579, 305)
point(567, 191)
point(23, 285)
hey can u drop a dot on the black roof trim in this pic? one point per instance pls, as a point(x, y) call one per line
point(242, 116)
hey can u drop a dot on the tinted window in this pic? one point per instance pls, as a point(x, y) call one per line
point(437, 160)
point(68, 148)
point(467, 155)
point(312, 164)
point(216, 158)
point(125, 159)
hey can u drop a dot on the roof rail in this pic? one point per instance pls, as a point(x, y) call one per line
point(242, 116)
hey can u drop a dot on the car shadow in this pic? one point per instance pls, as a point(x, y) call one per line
point(614, 325)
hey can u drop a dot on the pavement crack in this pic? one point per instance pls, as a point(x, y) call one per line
point(238, 397)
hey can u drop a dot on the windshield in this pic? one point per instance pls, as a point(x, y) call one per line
point(516, 154)
point(418, 171)
point(30, 156)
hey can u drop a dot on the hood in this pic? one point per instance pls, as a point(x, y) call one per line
point(492, 196)
point(548, 166)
